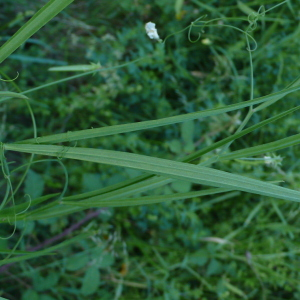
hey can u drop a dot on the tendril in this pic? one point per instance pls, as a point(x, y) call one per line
point(10, 80)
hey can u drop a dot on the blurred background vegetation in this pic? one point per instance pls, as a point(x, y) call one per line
point(234, 246)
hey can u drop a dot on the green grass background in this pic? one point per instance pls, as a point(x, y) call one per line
point(234, 245)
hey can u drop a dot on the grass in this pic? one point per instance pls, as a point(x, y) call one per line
point(156, 124)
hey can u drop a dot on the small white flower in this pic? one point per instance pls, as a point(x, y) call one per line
point(151, 31)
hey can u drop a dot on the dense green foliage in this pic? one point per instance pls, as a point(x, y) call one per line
point(222, 243)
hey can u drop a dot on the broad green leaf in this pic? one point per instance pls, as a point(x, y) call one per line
point(181, 186)
point(77, 262)
point(214, 267)
point(42, 17)
point(172, 169)
point(42, 283)
point(46, 297)
point(30, 294)
point(34, 184)
point(91, 281)
point(91, 181)
point(12, 95)
point(116, 129)
point(199, 258)
point(105, 260)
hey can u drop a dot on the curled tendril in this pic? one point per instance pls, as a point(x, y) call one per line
point(254, 17)
point(189, 34)
point(29, 204)
point(61, 154)
point(262, 11)
point(193, 24)
point(10, 80)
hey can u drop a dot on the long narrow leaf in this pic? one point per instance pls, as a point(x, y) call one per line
point(12, 95)
point(173, 169)
point(43, 16)
point(99, 202)
point(47, 251)
point(110, 130)
point(261, 149)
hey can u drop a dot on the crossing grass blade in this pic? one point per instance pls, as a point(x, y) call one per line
point(99, 202)
point(10, 212)
point(43, 16)
point(261, 149)
point(110, 130)
point(138, 184)
point(47, 251)
point(172, 169)
point(12, 95)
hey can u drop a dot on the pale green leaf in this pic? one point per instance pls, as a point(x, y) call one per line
point(76, 68)
point(91, 281)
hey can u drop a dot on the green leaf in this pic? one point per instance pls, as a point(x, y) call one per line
point(13, 95)
point(76, 68)
point(46, 297)
point(46, 251)
point(34, 184)
point(91, 281)
point(261, 149)
point(109, 201)
point(105, 260)
point(44, 283)
point(30, 294)
point(214, 268)
point(91, 181)
point(42, 17)
point(175, 146)
point(245, 8)
point(199, 258)
point(172, 169)
point(181, 186)
point(116, 129)
point(77, 262)
point(187, 131)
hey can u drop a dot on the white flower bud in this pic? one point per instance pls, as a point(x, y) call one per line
point(151, 31)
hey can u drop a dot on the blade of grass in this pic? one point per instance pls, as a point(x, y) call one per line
point(42, 17)
point(99, 202)
point(173, 169)
point(116, 129)
point(48, 250)
point(261, 149)
point(12, 95)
